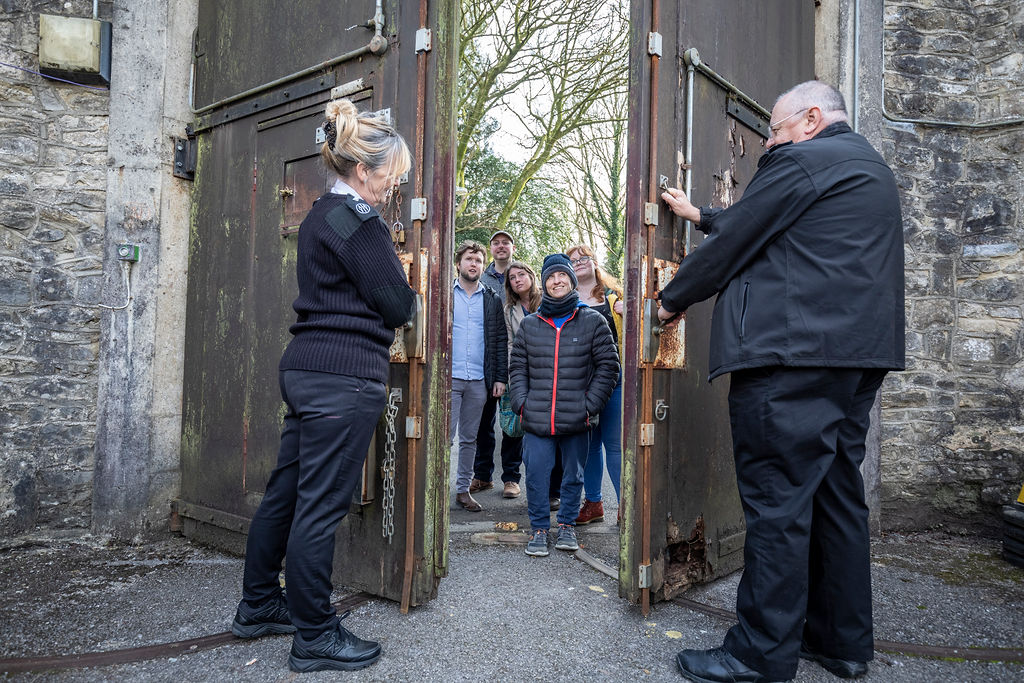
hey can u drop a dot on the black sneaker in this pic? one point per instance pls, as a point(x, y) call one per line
point(270, 618)
point(566, 538)
point(334, 650)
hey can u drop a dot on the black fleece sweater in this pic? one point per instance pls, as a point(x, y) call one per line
point(353, 291)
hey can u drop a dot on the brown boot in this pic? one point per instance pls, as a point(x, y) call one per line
point(511, 490)
point(478, 485)
point(467, 502)
point(590, 512)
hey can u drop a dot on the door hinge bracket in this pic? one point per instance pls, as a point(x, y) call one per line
point(424, 39)
point(650, 213)
point(185, 157)
point(418, 209)
point(644, 576)
point(654, 43)
point(413, 427)
point(647, 434)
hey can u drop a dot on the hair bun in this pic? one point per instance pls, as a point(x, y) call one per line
point(345, 117)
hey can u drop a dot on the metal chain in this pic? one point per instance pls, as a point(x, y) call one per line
point(393, 212)
point(387, 469)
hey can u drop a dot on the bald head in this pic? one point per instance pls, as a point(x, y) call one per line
point(815, 94)
point(803, 111)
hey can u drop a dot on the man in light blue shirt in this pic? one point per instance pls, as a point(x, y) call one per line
point(479, 360)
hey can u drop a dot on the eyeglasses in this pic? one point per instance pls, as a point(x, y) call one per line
point(776, 127)
point(581, 259)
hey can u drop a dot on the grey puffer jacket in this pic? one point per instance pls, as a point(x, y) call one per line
point(561, 378)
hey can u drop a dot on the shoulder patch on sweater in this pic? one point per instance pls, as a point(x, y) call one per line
point(347, 218)
point(363, 210)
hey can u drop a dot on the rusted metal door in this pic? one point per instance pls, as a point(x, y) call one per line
point(263, 72)
point(683, 522)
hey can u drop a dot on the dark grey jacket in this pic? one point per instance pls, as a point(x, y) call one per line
point(495, 341)
point(561, 378)
point(492, 279)
point(808, 263)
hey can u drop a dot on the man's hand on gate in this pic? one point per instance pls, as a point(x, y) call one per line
point(667, 317)
point(680, 205)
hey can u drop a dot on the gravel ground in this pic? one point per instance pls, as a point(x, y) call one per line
point(499, 615)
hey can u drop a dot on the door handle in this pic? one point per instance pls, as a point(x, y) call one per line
point(415, 331)
point(650, 339)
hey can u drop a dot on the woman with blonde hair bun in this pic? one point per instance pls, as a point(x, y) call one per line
point(353, 293)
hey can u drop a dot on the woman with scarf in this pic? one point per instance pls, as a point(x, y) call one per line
point(563, 369)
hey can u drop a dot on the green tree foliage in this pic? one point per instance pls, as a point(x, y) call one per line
point(538, 221)
point(592, 176)
point(560, 60)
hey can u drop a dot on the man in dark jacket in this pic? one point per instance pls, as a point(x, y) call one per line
point(808, 266)
point(479, 360)
point(563, 369)
point(502, 249)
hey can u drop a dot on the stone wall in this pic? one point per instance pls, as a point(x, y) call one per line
point(953, 433)
point(53, 178)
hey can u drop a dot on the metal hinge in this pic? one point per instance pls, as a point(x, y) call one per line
point(650, 213)
point(418, 209)
point(413, 427)
point(647, 434)
point(185, 158)
point(654, 43)
point(644, 576)
point(424, 38)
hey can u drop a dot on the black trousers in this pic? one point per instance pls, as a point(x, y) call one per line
point(798, 441)
point(327, 431)
point(511, 448)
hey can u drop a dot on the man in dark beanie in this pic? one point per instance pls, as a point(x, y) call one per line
point(563, 369)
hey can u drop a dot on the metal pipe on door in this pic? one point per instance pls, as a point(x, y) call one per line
point(688, 154)
point(377, 46)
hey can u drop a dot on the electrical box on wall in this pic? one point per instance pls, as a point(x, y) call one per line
point(75, 49)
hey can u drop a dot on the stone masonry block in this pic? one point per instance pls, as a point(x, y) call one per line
point(995, 290)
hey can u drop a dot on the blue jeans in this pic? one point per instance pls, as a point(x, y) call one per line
point(609, 434)
point(539, 454)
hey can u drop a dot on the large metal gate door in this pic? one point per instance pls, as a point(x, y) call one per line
point(702, 75)
point(262, 75)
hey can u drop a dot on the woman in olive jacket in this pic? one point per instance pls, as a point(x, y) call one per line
point(563, 369)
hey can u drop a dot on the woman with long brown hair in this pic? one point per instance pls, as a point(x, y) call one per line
point(522, 297)
point(602, 292)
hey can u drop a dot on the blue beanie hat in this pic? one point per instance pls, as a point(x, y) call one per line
point(558, 262)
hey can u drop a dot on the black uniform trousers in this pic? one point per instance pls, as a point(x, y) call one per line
point(327, 430)
point(798, 441)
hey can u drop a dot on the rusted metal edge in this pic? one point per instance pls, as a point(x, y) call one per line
point(140, 654)
point(415, 378)
point(1009, 655)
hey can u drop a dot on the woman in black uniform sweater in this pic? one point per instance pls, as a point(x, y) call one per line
point(353, 293)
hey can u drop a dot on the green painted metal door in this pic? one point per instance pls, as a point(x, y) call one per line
point(263, 73)
point(683, 522)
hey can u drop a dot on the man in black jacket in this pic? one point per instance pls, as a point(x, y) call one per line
point(479, 360)
point(808, 266)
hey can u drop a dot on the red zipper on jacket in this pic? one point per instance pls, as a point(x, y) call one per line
point(554, 383)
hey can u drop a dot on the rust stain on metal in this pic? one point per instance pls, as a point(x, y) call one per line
point(686, 561)
point(672, 342)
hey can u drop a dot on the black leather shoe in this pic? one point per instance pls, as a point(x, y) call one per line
point(716, 666)
point(334, 650)
point(844, 668)
point(267, 619)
